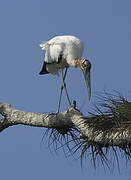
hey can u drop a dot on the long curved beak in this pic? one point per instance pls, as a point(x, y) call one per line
point(86, 73)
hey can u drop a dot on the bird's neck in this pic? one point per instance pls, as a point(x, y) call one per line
point(78, 62)
point(74, 62)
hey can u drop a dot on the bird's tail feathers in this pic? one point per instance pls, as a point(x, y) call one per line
point(43, 45)
point(43, 70)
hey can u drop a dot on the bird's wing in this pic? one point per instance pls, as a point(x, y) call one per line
point(56, 51)
point(53, 50)
point(66, 47)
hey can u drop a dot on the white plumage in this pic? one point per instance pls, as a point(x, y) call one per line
point(62, 52)
point(68, 47)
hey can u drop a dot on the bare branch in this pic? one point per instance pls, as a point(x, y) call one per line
point(98, 129)
point(14, 117)
point(108, 128)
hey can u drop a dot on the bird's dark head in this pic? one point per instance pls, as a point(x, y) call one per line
point(85, 66)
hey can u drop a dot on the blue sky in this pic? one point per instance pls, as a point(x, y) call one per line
point(105, 28)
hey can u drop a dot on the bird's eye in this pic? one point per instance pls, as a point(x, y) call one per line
point(84, 64)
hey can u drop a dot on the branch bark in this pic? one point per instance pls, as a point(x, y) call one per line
point(108, 135)
point(14, 116)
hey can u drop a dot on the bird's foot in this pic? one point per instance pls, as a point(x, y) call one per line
point(58, 110)
point(73, 105)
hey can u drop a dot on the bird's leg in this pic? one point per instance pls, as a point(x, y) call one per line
point(61, 90)
point(63, 86)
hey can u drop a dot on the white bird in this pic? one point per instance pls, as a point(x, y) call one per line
point(63, 52)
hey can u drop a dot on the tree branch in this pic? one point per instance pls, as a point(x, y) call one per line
point(14, 117)
point(107, 127)
point(106, 134)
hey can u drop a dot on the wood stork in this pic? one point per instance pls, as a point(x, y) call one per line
point(62, 52)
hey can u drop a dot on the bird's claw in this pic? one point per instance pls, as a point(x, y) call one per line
point(73, 105)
